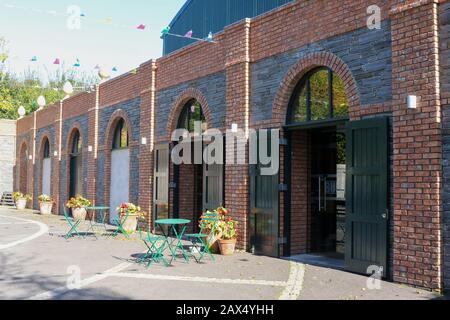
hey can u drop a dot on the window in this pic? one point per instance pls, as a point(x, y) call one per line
point(191, 113)
point(46, 149)
point(320, 95)
point(76, 143)
point(120, 140)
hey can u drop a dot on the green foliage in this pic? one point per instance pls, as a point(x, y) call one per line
point(24, 90)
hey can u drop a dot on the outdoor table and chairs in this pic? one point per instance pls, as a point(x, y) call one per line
point(175, 244)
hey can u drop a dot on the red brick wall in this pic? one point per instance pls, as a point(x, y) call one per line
point(417, 147)
point(186, 196)
point(300, 192)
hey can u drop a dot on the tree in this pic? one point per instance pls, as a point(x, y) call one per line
point(18, 91)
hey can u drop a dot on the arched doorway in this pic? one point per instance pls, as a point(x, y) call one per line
point(46, 166)
point(120, 164)
point(23, 169)
point(76, 165)
point(199, 185)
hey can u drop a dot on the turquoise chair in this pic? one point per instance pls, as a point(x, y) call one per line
point(198, 240)
point(72, 223)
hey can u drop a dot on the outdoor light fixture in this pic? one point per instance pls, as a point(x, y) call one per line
point(30, 157)
point(144, 140)
point(411, 102)
point(234, 127)
point(103, 74)
point(89, 148)
point(68, 88)
point(55, 153)
point(41, 102)
point(21, 112)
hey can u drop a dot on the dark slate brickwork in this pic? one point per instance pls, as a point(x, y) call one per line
point(213, 87)
point(51, 136)
point(68, 124)
point(133, 110)
point(445, 88)
point(367, 53)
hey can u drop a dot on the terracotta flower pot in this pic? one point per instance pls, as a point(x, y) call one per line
point(227, 246)
point(130, 224)
point(79, 214)
point(21, 204)
point(46, 208)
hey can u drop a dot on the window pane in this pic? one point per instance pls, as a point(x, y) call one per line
point(319, 95)
point(124, 135)
point(340, 102)
point(300, 113)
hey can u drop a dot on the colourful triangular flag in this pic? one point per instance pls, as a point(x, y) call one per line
point(189, 34)
point(141, 27)
point(77, 63)
point(56, 61)
point(97, 67)
point(34, 59)
point(82, 15)
point(114, 69)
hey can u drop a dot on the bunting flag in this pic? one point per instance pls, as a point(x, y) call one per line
point(141, 27)
point(82, 15)
point(57, 61)
point(97, 67)
point(34, 59)
point(114, 69)
point(189, 34)
point(77, 63)
point(210, 37)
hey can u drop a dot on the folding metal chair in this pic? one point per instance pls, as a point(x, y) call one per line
point(155, 251)
point(119, 223)
point(198, 240)
point(72, 223)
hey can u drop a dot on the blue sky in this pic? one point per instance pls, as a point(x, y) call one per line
point(118, 43)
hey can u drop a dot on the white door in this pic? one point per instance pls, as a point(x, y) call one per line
point(119, 188)
point(46, 176)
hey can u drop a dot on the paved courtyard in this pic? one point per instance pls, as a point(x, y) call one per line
point(36, 262)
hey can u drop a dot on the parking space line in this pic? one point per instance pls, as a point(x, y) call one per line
point(295, 282)
point(43, 228)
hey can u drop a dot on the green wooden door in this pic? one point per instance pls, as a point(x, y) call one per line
point(161, 182)
point(264, 210)
point(366, 195)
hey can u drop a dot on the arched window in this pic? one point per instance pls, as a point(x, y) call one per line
point(76, 144)
point(320, 95)
point(46, 149)
point(120, 140)
point(192, 112)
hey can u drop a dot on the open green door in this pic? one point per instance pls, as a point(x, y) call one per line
point(366, 195)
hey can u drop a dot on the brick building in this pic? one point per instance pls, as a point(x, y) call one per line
point(362, 177)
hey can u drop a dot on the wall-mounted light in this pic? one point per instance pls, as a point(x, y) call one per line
point(30, 157)
point(55, 154)
point(89, 148)
point(234, 127)
point(144, 140)
point(411, 102)
point(41, 102)
point(21, 111)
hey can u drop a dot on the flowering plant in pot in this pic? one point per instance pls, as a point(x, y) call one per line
point(45, 204)
point(78, 204)
point(227, 230)
point(208, 226)
point(21, 200)
point(129, 215)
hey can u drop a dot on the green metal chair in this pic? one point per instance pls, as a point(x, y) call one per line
point(119, 223)
point(198, 240)
point(155, 251)
point(72, 223)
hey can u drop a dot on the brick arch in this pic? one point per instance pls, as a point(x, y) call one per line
point(23, 167)
point(117, 115)
point(296, 73)
point(45, 136)
point(181, 101)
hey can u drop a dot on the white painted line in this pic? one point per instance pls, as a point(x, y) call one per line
point(295, 282)
point(51, 294)
point(199, 279)
point(14, 223)
point(43, 228)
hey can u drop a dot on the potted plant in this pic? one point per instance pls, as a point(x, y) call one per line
point(228, 235)
point(78, 205)
point(45, 204)
point(207, 227)
point(129, 215)
point(21, 200)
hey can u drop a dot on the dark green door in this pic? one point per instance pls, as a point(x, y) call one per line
point(264, 210)
point(212, 185)
point(366, 194)
point(161, 182)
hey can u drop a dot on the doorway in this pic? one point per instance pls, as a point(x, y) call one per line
point(327, 197)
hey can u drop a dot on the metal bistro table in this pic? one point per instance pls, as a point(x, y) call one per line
point(98, 212)
point(173, 224)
